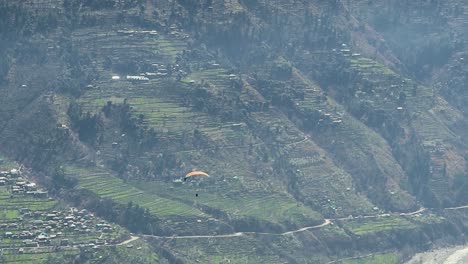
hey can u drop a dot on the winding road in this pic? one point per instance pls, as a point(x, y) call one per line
point(240, 146)
point(325, 223)
point(238, 234)
point(132, 238)
point(303, 229)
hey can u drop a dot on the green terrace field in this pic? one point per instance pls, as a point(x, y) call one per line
point(146, 47)
point(218, 78)
point(341, 131)
point(319, 180)
point(244, 249)
point(418, 110)
point(337, 133)
point(6, 163)
point(388, 258)
point(161, 112)
point(165, 115)
point(10, 203)
point(330, 189)
point(106, 185)
point(279, 130)
point(175, 201)
point(231, 198)
point(386, 87)
point(12, 257)
point(149, 45)
point(370, 67)
point(426, 218)
point(168, 117)
point(131, 253)
point(138, 251)
point(375, 225)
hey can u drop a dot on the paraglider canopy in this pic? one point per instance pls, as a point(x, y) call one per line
point(195, 173)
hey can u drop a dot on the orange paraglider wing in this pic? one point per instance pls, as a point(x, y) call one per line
point(196, 173)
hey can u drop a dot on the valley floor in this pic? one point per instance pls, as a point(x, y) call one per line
point(455, 255)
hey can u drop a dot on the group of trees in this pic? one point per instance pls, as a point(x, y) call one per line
point(460, 185)
point(131, 216)
point(17, 21)
point(86, 124)
point(136, 218)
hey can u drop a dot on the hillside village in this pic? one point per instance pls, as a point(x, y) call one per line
point(32, 222)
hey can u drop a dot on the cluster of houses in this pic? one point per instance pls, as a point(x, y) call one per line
point(19, 185)
point(346, 52)
point(159, 71)
point(175, 32)
point(42, 229)
point(49, 228)
point(172, 30)
point(330, 118)
point(130, 32)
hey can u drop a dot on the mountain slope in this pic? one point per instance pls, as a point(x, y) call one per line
point(300, 112)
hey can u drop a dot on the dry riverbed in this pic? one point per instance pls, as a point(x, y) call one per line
point(455, 255)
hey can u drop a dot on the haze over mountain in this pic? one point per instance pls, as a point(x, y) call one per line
point(328, 130)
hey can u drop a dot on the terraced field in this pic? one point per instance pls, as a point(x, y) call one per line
point(320, 181)
point(231, 198)
point(389, 258)
point(106, 185)
point(151, 99)
point(418, 110)
point(278, 131)
point(9, 203)
point(373, 225)
point(234, 250)
point(385, 89)
point(12, 256)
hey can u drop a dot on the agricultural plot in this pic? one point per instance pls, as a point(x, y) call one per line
point(388, 258)
point(106, 185)
point(276, 129)
point(351, 142)
point(319, 180)
point(374, 225)
point(214, 250)
point(172, 118)
point(10, 203)
point(34, 257)
point(151, 99)
point(135, 252)
point(415, 106)
point(231, 198)
point(152, 46)
point(327, 187)
point(152, 52)
point(385, 90)
point(426, 218)
point(220, 79)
